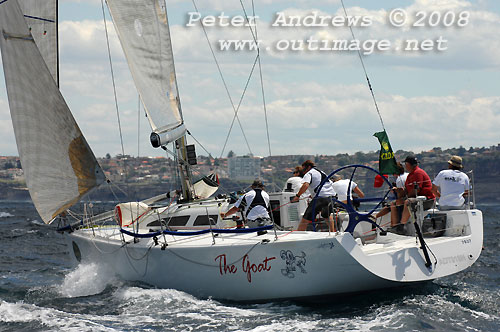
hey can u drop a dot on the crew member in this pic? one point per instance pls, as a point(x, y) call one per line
point(418, 183)
point(451, 185)
point(255, 204)
point(311, 180)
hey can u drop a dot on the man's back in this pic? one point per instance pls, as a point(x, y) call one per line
point(341, 186)
point(257, 201)
point(423, 181)
point(453, 184)
point(314, 178)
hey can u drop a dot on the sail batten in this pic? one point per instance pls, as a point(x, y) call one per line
point(41, 18)
point(58, 164)
point(142, 27)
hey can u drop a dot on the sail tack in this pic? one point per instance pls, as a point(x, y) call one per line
point(58, 164)
point(41, 17)
point(142, 27)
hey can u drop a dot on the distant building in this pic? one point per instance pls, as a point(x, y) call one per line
point(244, 167)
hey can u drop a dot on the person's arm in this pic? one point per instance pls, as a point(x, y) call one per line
point(466, 186)
point(358, 191)
point(232, 210)
point(302, 190)
point(435, 190)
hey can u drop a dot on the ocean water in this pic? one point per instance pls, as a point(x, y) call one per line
point(41, 291)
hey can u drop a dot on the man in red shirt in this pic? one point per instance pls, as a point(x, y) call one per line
point(418, 183)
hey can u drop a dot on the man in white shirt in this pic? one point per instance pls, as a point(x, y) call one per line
point(342, 185)
point(256, 204)
point(451, 185)
point(294, 183)
point(311, 181)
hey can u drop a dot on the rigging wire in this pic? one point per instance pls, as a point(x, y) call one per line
point(223, 80)
point(114, 91)
point(364, 69)
point(238, 108)
point(255, 36)
point(198, 142)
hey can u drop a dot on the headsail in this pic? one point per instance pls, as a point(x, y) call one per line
point(58, 164)
point(41, 17)
point(142, 27)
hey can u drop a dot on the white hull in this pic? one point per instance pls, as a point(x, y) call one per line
point(248, 267)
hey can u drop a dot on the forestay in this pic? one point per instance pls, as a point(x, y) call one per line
point(58, 164)
point(142, 27)
point(41, 17)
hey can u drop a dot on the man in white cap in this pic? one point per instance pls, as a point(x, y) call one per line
point(451, 185)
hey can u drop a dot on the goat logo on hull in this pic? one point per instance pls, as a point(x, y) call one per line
point(293, 263)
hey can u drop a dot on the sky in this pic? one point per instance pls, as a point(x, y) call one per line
point(316, 101)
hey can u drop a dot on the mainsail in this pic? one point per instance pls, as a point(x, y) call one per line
point(41, 17)
point(58, 164)
point(142, 27)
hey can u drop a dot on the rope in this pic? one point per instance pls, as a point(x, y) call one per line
point(132, 265)
point(364, 69)
point(114, 87)
point(222, 77)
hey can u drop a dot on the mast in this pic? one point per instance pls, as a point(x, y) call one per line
point(184, 169)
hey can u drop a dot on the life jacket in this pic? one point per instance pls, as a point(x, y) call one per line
point(323, 177)
point(257, 200)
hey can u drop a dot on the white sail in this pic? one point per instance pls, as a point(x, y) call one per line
point(58, 164)
point(142, 27)
point(206, 186)
point(41, 17)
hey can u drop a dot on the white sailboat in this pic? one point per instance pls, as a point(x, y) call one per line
point(185, 244)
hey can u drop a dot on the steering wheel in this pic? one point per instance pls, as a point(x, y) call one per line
point(354, 216)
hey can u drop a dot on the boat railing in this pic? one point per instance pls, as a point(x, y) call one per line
point(471, 198)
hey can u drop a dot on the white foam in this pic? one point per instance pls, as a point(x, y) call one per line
point(5, 214)
point(87, 279)
point(52, 319)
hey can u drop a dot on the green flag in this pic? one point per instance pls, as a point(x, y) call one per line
point(387, 162)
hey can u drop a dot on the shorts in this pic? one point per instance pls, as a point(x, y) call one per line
point(323, 204)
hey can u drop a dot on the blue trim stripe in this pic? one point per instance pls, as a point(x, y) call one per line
point(3, 1)
point(36, 18)
point(204, 231)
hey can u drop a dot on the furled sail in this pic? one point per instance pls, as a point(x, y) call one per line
point(142, 27)
point(206, 186)
point(41, 17)
point(58, 164)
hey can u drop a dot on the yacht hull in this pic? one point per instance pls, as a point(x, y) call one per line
point(285, 265)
